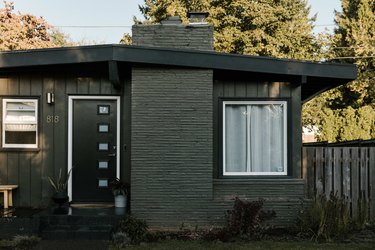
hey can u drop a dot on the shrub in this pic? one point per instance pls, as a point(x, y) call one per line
point(135, 228)
point(25, 242)
point(120, 240)
point(247, 218)
point(326, 218)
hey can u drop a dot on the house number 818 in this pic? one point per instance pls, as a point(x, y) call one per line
point(53, 119)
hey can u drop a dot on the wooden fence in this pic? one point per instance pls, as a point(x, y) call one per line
point(347, 171)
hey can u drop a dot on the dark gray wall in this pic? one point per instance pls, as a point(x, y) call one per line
point(171, 137)
point(175, 149)
point(30, 169)
point(199, 37)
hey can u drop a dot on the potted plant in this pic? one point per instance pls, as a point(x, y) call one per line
point(60, 185)
point(120, 191)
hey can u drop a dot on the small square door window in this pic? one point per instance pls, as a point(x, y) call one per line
point(103, 183)
point(103, 164)
point(103, 128)
point(103, 146)
point(103, 109)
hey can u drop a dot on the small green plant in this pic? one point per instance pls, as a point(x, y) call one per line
point(120, 240)
point(21, 242)
point(326, 218)
point(362, 219)
point(247, 218)
point(119, 187)
point(135, 228)
point(60, 184)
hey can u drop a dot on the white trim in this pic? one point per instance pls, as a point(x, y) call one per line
point(36, 122)
point(285, 140)
point(70, 134)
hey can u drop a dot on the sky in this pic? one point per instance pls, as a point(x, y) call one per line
point(94, 21)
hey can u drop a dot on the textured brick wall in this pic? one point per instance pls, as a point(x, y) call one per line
point(199, 37)
point(171, 136)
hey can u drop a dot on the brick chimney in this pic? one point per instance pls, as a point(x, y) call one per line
point(171, 33)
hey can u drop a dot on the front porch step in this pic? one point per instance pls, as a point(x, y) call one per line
point(80, 223)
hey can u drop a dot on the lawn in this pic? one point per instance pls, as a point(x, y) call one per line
point(184, 245)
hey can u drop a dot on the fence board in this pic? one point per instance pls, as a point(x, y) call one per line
point(347, 171)
point(355, 181)
point(346, 178)
point(337, 171)
point(319, 153)
point(327, 175)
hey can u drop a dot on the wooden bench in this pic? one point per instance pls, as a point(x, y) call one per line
point(8, 198)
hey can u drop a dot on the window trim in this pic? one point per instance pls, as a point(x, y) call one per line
point(20, 146)
point(284, 104)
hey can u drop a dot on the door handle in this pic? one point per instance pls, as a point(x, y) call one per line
point(112, 155)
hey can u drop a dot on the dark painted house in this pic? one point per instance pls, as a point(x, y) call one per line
point(187, 127)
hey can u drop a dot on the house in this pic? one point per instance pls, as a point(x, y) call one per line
point(187, 127)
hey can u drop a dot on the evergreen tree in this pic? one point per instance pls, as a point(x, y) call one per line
point(352, 106)
point(283, 29)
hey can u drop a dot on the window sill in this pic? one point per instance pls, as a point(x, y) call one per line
point(259, 180)
point(20, 149)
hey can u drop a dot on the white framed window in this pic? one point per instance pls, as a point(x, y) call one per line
point(254, 138)
point(20, 123)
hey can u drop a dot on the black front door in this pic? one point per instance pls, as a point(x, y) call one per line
point(94, 157)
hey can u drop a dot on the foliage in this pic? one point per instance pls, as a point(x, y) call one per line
point(60, 184)
point(348, 112)
point(283, 30)
point(25, 31)
point(136, 229)
point(247, 218)
point(25, 242)
point(326, 218)
point(119, 187)
point(120, 240)
point(240, 245)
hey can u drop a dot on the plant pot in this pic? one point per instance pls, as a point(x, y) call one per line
point(60, 198)
point(120, 200)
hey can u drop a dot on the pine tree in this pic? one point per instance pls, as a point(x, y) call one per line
point(352, 105)
point(283, 29)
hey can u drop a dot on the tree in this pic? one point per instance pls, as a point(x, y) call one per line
point(282, 30)
point(352, 105)
point(25, 31)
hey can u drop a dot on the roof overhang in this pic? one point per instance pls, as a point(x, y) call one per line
point(315, 77)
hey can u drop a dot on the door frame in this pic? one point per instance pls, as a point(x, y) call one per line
point(70, 134)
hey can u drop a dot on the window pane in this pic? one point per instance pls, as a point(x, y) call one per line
point(254, 138)
point(235, 138)
point(13, 137)
point(20, 128)
point(103, 146)
point(102, 183)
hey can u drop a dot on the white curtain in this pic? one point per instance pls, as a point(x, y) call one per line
point(254, 138)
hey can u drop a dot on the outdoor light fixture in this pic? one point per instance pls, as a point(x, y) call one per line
point(50, 98)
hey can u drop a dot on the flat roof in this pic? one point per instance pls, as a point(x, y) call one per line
point(317, 76)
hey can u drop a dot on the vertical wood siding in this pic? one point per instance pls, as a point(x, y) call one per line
point(30, 169)
point(346, 171)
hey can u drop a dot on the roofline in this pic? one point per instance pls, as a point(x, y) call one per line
point(174, 57)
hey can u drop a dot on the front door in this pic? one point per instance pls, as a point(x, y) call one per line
point(94, 149)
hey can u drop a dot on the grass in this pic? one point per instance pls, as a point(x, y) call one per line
point(185, 245)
